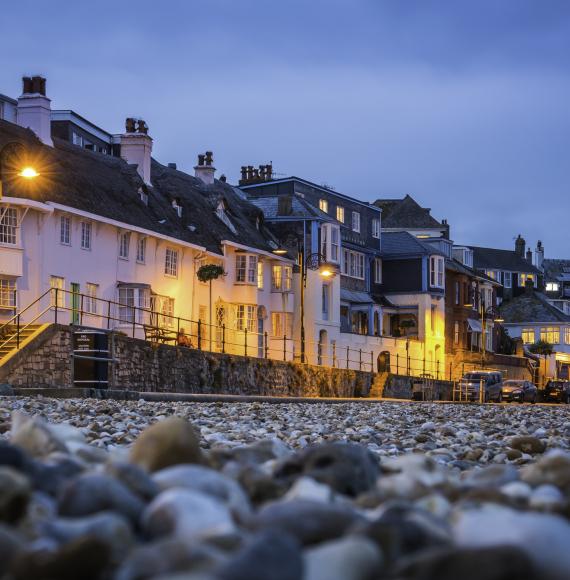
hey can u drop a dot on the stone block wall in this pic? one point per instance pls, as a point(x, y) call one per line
point(400, 387)
point(141, 366)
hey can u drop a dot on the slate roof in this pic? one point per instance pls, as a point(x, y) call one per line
point(404, 244)
point(456, 266)
point(494, 259)
point(531, 307)
point(300, 208)
point(557, 269)
point(406, 213)
point(109, 187)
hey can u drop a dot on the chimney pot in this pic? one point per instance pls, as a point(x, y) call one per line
point(136, 147)
point(201, 158)
point(223, 178)
point(205, 171)
point(172, 165)
point(209, 158)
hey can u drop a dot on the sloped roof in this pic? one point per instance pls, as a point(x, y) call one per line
point(300, 208)
point(109, 187)
point(404, 244)
point(405, 213)
point(495, 259)
point(456, 266)
point(531, 307)
point(556, 269)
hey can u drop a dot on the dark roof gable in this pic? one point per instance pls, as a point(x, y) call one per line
point(406, 213)
point(531, 307)
point(495, 259)
point(404, 244)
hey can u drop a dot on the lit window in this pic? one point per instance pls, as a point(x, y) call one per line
point(552, 286)
point(527, 335)
point(245, 317)
point(550, 334)
point(281, 324)
point(567, 335)
point(171, 262)
point(65, 230)
point(281, 278)
point(324, 205)
point(7, 293)
point(355, 222)
point(90, 301)
point(141, 250)
point(375, 228)
point(340, 214)
point(456, 332)
point(252, 270)
point(260, 275)
point(57, 284)
point(8, 225)
point(437, 271)
point(524, 278)
point(124, 243)
point(86, 235)
point(241, 266)
point(377, 271)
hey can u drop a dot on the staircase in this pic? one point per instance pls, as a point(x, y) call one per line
point(377, 388)
point(10, 342)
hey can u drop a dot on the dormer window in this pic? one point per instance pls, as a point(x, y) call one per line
point(177, 207)
point(221, 212)
point(143, 195)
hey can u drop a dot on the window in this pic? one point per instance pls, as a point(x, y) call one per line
point(492, 274)
point(171, 262)
point(437, 270)
point(86, 235)
point(8, 225)
point(65, 230)
point(552, 286)
point(246, 269)
point(326, 301)
point(281, 324)
point(281, 278)
point(527, 335)
point(456, 332)
point(335, 244)
point(260, 275)
point(124, 243)
point(141, 250)
point(355, 222)
point(550, 334)
point(324, 205)
point(457, 293)
point(377, 271)
point(56, 282)
point(523, 278)
point(324, 238)
point(126, 305)
point(508, 279)
point(340, 213)
point(353, 264)
point(375, 228)
point(90, 300)
point(7, 293)
point(567, 335)
point(245, 317)
point(77, 139)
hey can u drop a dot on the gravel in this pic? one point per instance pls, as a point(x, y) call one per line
point(209, 491)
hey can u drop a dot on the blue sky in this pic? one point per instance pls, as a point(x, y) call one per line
point(465, 105)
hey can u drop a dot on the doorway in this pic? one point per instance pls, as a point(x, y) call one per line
point(383, 362)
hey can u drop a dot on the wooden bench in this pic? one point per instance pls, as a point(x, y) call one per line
point(159, 334)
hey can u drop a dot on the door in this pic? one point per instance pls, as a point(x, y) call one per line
point(75, 298)
point(260, 353)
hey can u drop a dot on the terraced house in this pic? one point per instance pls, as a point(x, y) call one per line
point(106, 236)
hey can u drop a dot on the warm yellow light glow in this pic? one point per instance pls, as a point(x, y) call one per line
point(326, 273)
point(28, 173)
point(280, 251)
point(499, 320)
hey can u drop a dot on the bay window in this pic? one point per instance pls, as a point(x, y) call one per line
point(353, 264)
point(437, 271)
point(246, 269)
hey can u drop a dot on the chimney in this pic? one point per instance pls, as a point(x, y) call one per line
point(205, 169)
point(520, 245)
point(136, 147)
point(539, 256)
point(529, 256)
point(34, 108)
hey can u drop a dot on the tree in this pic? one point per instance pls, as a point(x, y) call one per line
point(544, 349)
point(207, 273)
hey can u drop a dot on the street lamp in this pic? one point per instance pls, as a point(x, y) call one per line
point(26, 172)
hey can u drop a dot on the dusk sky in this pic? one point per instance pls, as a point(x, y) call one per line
point(463, 105)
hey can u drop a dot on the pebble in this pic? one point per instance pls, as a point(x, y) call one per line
point(15, 492)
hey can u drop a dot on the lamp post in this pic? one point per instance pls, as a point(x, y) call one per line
point(26, 172)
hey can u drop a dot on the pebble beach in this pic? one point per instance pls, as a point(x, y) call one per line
point(133, 490)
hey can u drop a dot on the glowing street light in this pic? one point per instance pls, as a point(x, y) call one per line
point(28, 173)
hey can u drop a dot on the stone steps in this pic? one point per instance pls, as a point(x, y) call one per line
point(378, 385)
point(12, 343)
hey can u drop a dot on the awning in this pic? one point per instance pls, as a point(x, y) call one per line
point(132, 285)
point(474, 325)
point(355, 297)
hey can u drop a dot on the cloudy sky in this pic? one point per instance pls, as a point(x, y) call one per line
point(465, 105)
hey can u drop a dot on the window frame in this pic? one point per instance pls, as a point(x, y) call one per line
point(9, 226)
point(282, 322)
point(171, 262)
point(8, 293)
point(377, 270)
point(284, 276)
point(86, 235)
point(550, 334)
point(141, 250)
point(376, 228)
point(355, 222)
point(124, 245)
point(65, 230)
point(437, 272)
point(91, 297)
point(324, 205)
point(340, 214)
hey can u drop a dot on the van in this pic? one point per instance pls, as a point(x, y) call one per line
point(492, 382)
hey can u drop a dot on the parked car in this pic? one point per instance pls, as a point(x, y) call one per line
point(557, 391)
point(519, 390)
point(492, 382)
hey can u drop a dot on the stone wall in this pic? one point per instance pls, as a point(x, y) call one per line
point(141, 366)
point(400, 387)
